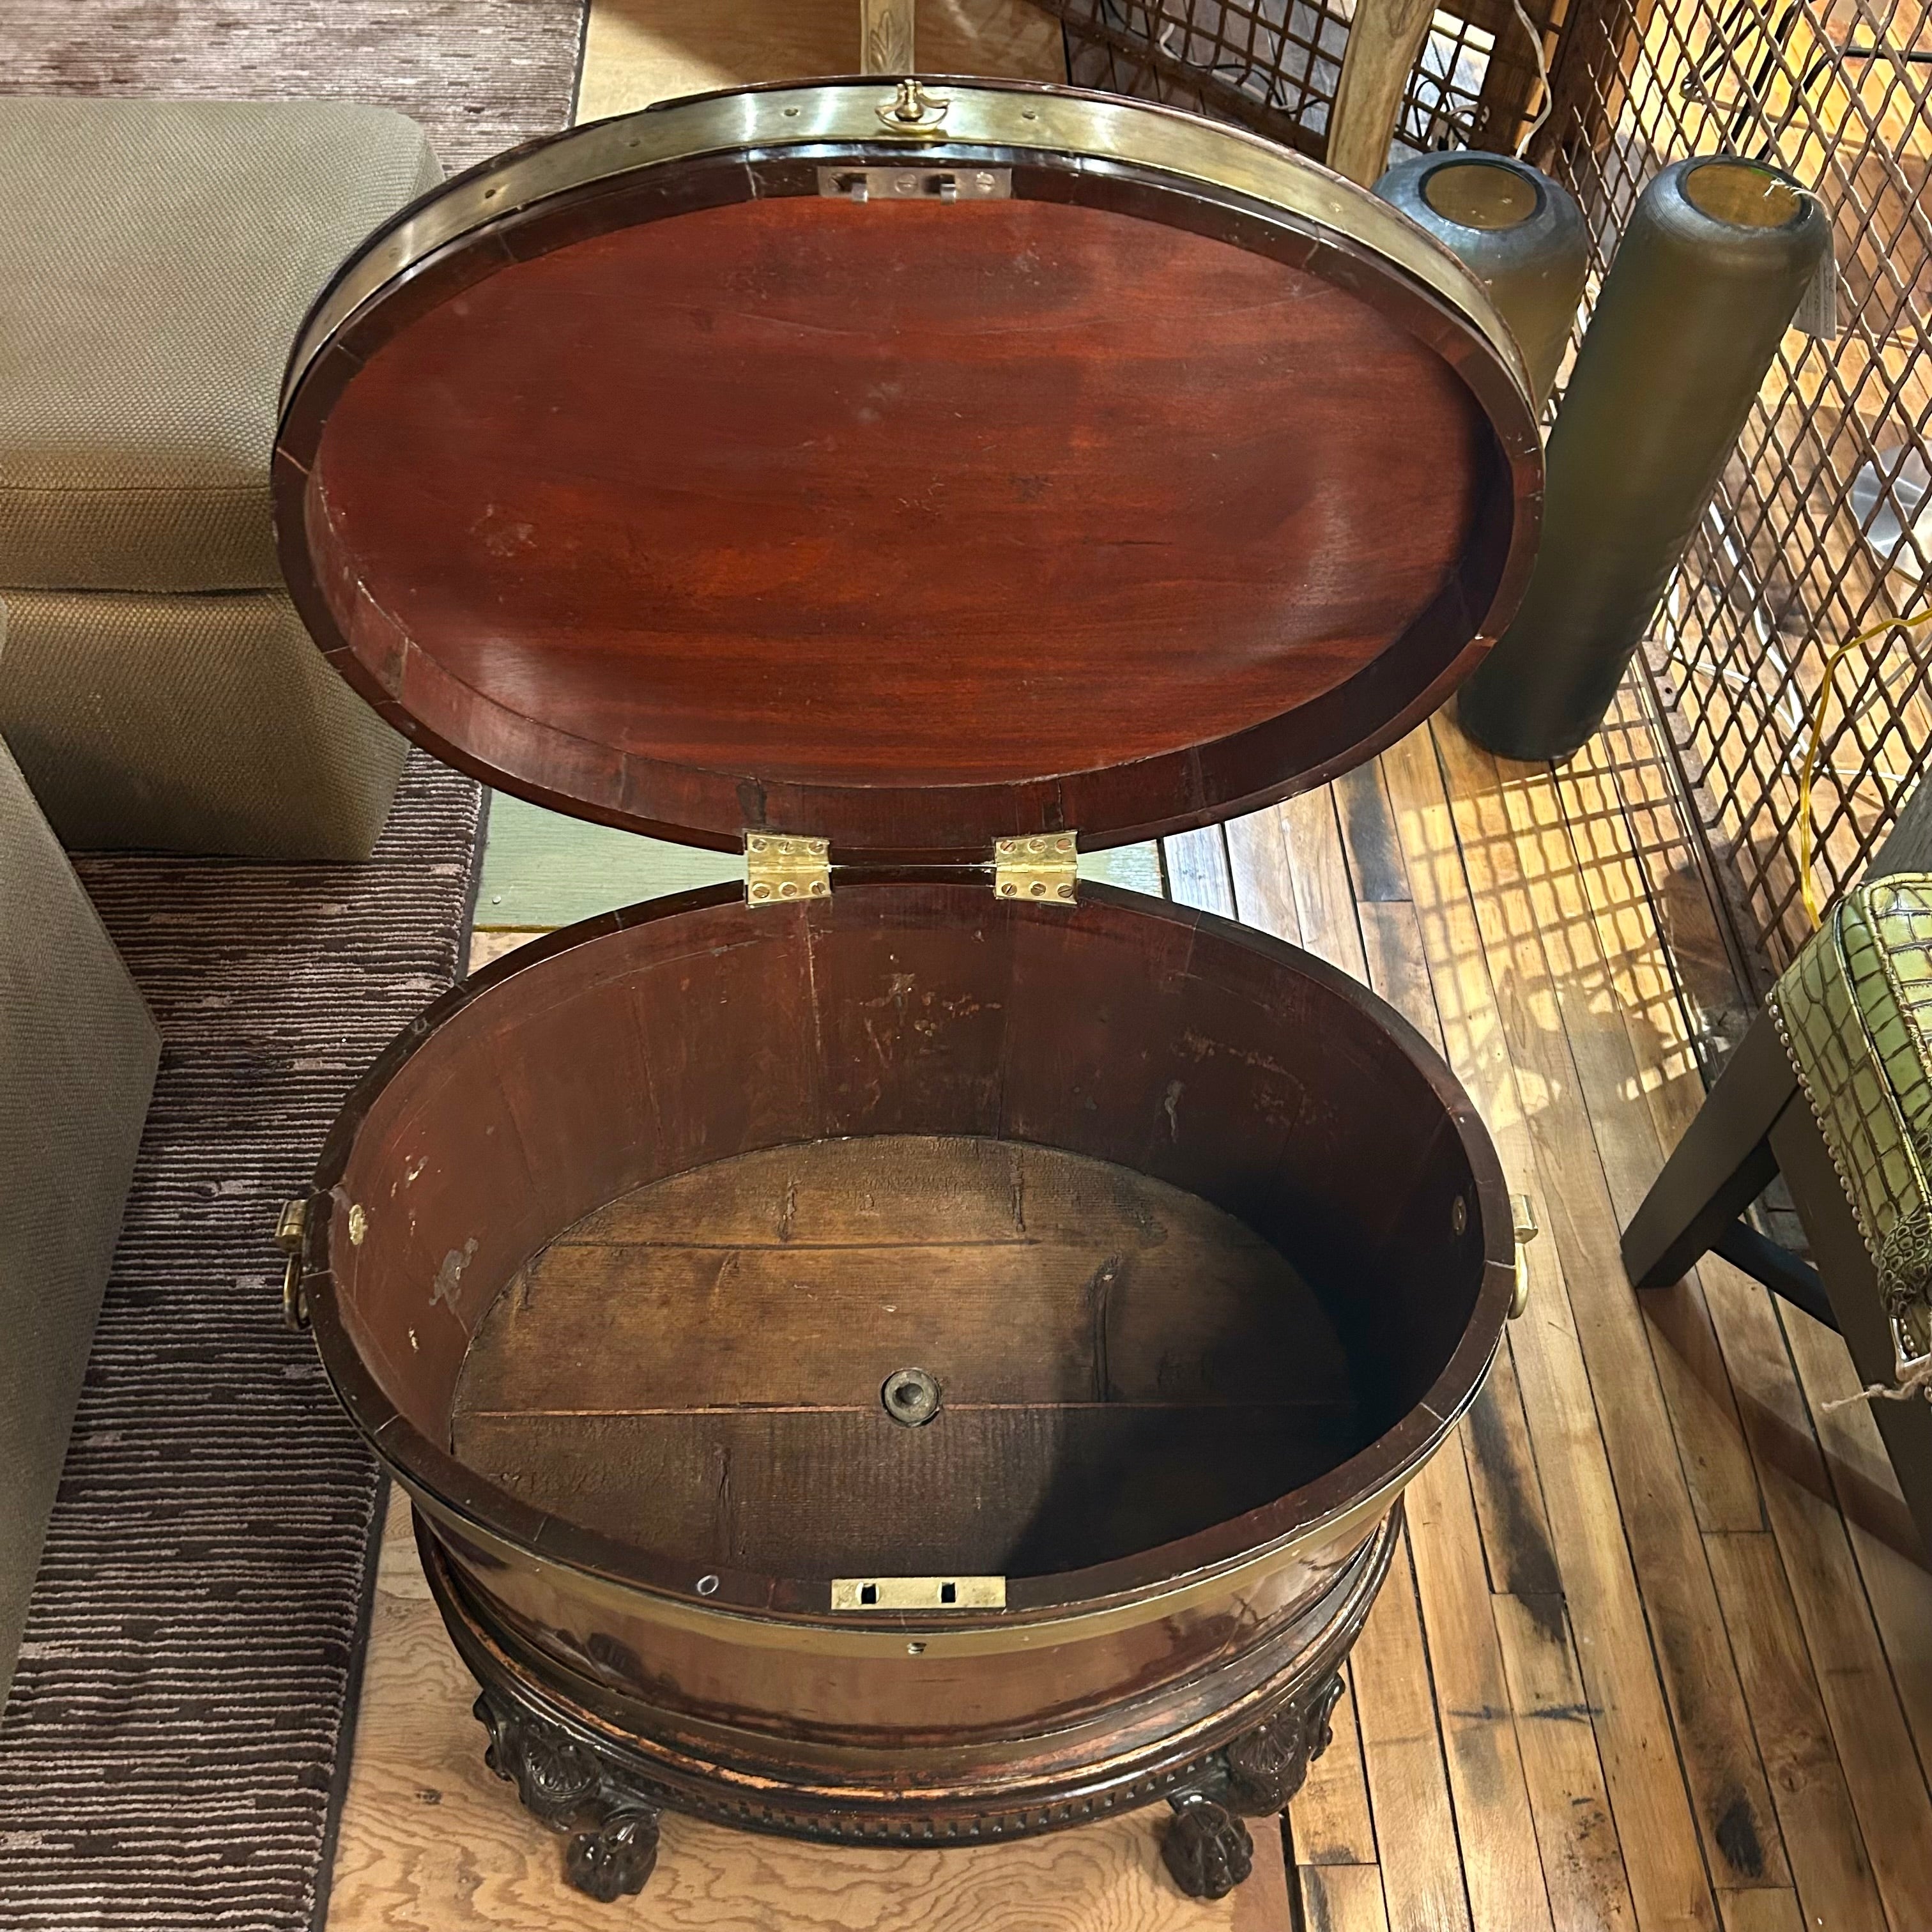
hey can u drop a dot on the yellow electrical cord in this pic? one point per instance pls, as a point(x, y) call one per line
point(1817, 734)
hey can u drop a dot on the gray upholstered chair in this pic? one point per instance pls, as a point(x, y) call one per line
point(156, 258)
point(78, 1053)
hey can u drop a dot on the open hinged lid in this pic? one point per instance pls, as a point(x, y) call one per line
point(907, 466)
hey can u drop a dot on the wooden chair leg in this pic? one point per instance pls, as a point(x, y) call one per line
point(1781, 1271)
point(1851, 1281)
point(1722, 1165)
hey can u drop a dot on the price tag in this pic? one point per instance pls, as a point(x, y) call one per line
point(1818, 306)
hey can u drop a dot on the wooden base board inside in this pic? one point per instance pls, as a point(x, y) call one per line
point(707, 1367)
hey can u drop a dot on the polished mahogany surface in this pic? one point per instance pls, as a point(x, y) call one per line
point(710, 501)
point(846, 495)
point(684, 1034)
point(680, 494)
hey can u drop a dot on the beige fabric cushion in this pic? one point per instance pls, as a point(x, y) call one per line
point(77, 1058)
point(183, 724)
point(156, 259)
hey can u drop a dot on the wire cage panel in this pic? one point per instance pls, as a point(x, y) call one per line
point(1822, 523)
point(1821, 526)
point(1271, 65)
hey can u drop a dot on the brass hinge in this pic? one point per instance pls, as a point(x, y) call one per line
point(781, 869)
point(1044, 866)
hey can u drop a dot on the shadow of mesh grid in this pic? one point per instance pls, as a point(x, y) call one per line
point(1822, 523)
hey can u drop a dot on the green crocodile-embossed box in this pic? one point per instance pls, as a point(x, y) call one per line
point(1855, 1013)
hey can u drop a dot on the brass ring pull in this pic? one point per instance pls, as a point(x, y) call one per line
point(1523, 1214)
point(289, 1232)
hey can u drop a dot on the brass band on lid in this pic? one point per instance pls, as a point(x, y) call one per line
point(835, 116)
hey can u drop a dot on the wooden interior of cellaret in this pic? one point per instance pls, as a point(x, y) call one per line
point(1174, 1222)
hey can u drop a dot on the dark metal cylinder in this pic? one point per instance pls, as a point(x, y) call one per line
point(1717, 255)
point(1521, 235)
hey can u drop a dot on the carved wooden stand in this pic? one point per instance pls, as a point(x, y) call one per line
point(1207, 1849)
point(595, 1776)
point(612, 1814)
point(586, 1764)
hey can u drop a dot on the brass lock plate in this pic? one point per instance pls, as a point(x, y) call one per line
point(919, 1593)
point(916, 184)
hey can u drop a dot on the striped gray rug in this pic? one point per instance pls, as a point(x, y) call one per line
point(481, 75)
point(172, 1751)
point(170, 1755)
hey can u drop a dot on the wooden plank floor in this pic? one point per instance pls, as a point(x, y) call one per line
point(1657, 1654)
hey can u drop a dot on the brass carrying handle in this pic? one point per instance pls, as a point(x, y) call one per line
point(1523, 1214)
point(289, 1232)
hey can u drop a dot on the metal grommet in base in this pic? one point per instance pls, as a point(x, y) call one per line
point(911, 1397)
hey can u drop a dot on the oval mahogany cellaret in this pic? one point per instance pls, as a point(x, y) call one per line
point(913, 1347)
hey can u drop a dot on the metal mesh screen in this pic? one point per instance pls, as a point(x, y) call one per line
point(1272, 65)
point(1823, 522)
point(1475, 83)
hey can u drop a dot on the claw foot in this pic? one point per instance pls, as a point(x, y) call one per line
point(614, 1860)
point(1207, 1849)
point(565, 1784)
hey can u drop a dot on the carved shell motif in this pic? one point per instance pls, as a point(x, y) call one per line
point(1267, 1765)
point(554, 1777)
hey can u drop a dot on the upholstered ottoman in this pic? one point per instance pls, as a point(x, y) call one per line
point(156, 258)
point(77, 1058)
